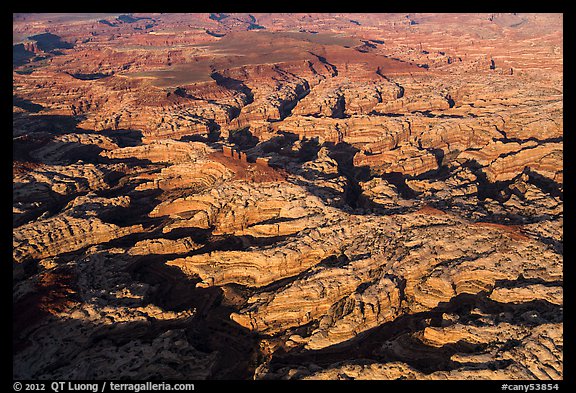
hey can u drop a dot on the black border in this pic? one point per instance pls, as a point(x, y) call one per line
point(367, 6)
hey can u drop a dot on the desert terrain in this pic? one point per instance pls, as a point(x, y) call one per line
point(287, 196)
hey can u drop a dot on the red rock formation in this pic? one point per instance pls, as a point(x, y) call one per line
point(406, 159)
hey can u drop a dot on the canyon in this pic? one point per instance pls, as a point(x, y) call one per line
point(287, 196)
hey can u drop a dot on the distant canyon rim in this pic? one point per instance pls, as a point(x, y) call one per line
point(288, 196)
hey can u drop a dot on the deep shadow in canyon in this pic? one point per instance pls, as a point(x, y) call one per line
point(210, 329)
point(374, 345)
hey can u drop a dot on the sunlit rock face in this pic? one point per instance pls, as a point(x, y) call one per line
point(254, 196)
